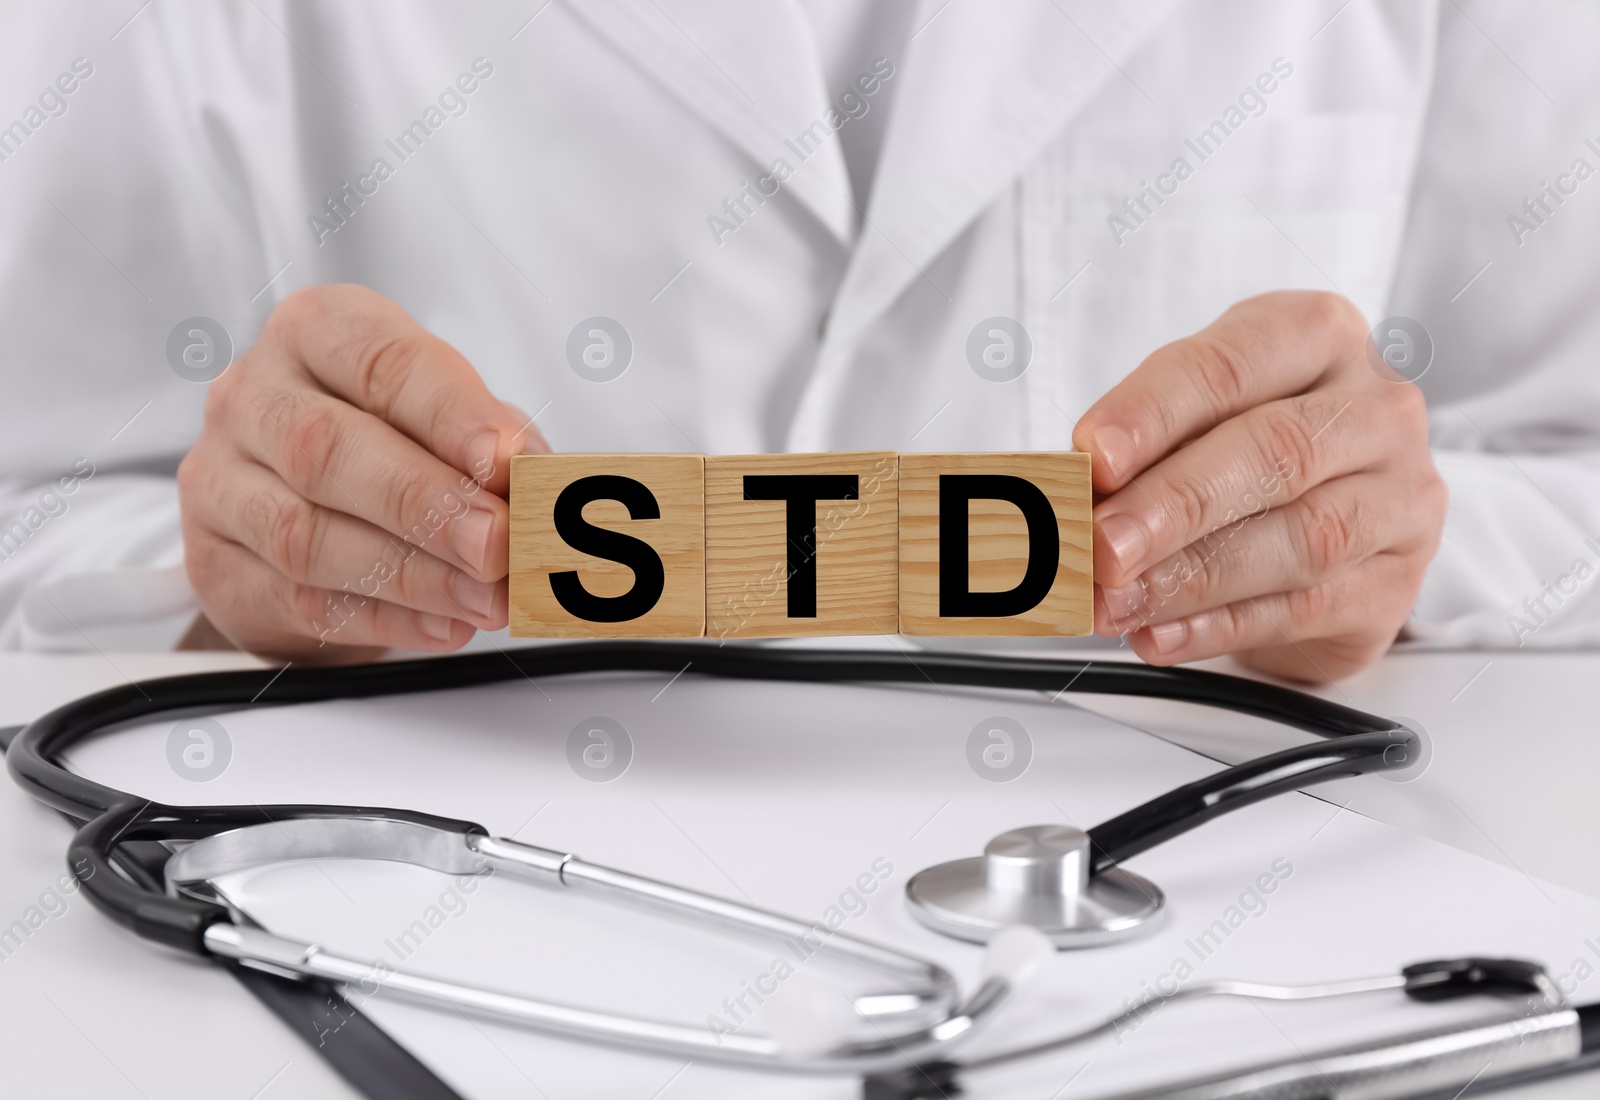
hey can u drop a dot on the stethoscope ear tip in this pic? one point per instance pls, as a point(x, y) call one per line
point(1404, 765)
point(810, 1020)
point(928, 1081)
point(1015, 954)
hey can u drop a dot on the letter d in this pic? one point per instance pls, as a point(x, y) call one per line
point(956, 598)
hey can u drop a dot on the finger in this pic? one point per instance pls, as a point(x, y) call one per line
point(342, 458)
point(1305, 542)
point(365, 349)
point(1356, 605)
point(1263, 349)
point(1267, 455)
point(533, 440)
point(265, 612)
point(323, 548)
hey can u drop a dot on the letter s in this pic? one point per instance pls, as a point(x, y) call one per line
point(649, 574)
point(483, 67)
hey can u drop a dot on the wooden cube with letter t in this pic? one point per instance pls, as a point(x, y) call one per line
point(607, 546)
point(996, 544)
point(802, 544)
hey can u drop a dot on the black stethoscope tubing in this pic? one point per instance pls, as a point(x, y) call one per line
point(1354, 743)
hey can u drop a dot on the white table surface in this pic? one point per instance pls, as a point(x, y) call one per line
point(88, 1011)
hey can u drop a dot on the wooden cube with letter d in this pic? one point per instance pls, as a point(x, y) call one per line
point(996, 544)
point(607, 545)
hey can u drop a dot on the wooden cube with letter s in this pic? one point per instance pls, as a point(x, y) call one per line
point(608, 546)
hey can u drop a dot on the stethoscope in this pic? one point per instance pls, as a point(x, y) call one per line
point(1038, 885)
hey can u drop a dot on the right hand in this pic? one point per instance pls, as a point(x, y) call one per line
point(346, 492)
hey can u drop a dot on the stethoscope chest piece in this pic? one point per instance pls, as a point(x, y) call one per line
point(1037, 876)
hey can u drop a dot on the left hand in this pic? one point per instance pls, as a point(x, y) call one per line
point(1269, 494)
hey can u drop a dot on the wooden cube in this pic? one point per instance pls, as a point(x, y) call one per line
point(607, 545)
point(802, 544)
point(996, 544)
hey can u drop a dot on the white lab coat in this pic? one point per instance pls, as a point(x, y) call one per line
point(583, 176)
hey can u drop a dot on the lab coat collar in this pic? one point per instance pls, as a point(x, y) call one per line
point(986, 87)
point(751, 71)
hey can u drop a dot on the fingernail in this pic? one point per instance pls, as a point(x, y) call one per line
point(532, 442)
point(482, 452)
point(1168, 637)
point(1114, 447)
point(1124, 601)
point(469, 535)
point(474, 596)
point(1125, 542)
point(436, 627)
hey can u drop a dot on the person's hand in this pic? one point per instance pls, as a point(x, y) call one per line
point(345, 494)
point(1268, 494)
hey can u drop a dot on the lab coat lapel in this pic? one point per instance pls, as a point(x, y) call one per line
point(751, 71)
point(986, 87)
